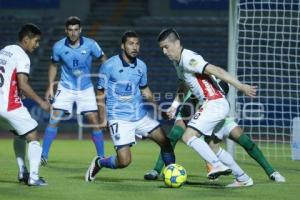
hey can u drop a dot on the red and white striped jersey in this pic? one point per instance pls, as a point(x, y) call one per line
point(13, 60)
point(191, 70)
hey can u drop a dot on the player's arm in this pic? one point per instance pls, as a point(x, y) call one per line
point(182, 90)
point(52, 72)
point(29, 92)
point(147, 94)
point(101, 107)
point(225, 76)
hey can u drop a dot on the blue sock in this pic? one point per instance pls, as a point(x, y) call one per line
point(110, 162)
point(97, 137)
point(50, 134)
point(168, 158)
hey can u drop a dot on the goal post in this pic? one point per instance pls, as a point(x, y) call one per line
point(266, 45)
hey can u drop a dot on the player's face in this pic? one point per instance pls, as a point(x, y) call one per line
point(131, 47)
point(33, 43)
point(171, 49)
point(73, 33)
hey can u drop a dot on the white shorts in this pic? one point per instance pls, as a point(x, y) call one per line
point(85, 100)
point(124, 132)
point(209, 115)
point(224, 128)
point(20, 120)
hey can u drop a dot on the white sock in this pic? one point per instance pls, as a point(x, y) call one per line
point(34, 157)
point(228, 160)
point(202, 148)
point(20, 148)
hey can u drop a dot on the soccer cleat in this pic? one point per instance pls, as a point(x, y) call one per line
point(218, 171)
point(237, 183)
point(277, 177)
point(151, 175)
point(44, 161)
point(93, 169)
point(38, 182)
point(23, 177)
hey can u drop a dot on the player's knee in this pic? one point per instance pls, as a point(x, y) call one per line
point(124, 162)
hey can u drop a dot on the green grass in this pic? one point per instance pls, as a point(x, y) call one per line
point(69, 160)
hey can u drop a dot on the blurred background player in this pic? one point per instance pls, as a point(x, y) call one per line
point(74, 53)
point(14, 74)
point(123, 84)
point(196, 74)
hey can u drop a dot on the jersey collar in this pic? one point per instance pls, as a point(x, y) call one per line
point(125, 64)
point(67, 41)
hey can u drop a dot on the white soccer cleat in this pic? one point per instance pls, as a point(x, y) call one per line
point(93, 169)
point(237, 183)
point(38, 182)
point(277, 177)
point(218, 171)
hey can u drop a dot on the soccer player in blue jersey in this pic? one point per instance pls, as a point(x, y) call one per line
point(122, 86)
point(74, 54)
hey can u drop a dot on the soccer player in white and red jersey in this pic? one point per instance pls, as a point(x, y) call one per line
point(197, 75)
point(14, 73)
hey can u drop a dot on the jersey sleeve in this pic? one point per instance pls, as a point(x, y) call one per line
point(194, 62)
point(103, 76)
point(96, 50)
point(55, 54)
point(23, 64)
point(144, 79)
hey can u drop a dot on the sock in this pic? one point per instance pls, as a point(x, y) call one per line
point(228, 160)
point(110, 162)
point(175, 134)
point(20, 148)
point(253, 150)
point(168, 157)
point(202, 148)
point(34, 157)
point(50, 134)
point(97, 137)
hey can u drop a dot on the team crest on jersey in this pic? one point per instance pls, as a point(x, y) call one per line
point(83, 52)
point(193, 62)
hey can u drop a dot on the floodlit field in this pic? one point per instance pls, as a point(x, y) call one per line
point(69, 160)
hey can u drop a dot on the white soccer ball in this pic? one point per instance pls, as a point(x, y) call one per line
point(174, 175)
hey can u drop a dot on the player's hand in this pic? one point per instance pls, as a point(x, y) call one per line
point(171, 112)
point(249, 90)
point(45, 106)
point(49, 94)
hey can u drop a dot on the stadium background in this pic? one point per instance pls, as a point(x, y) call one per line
point(202, 24)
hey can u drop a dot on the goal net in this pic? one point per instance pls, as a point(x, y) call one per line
point(267, 53)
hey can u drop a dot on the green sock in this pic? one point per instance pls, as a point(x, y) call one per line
point(253, 150)
point(175, 134)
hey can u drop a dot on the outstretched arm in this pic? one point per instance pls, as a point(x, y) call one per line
point(225, 76)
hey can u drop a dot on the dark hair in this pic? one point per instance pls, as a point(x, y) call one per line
point(128, 34)
point(168, 33)
point(30, 30)
point(73, 20)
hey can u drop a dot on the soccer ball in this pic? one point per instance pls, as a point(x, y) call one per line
point(174, 175)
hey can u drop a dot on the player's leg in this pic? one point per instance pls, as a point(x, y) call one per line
point(253, 150)
point(50, 133)
point(19, 145)
point(241, 178)
point(87, 106)
point(203, 122)
point(123, 136)
point(174, 135)
point(97, 133)
point(25, 126)
point(166, 149)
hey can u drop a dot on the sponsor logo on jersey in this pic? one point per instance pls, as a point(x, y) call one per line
point(193, 62)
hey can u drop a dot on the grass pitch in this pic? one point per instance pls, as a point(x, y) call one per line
point(69, 160)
